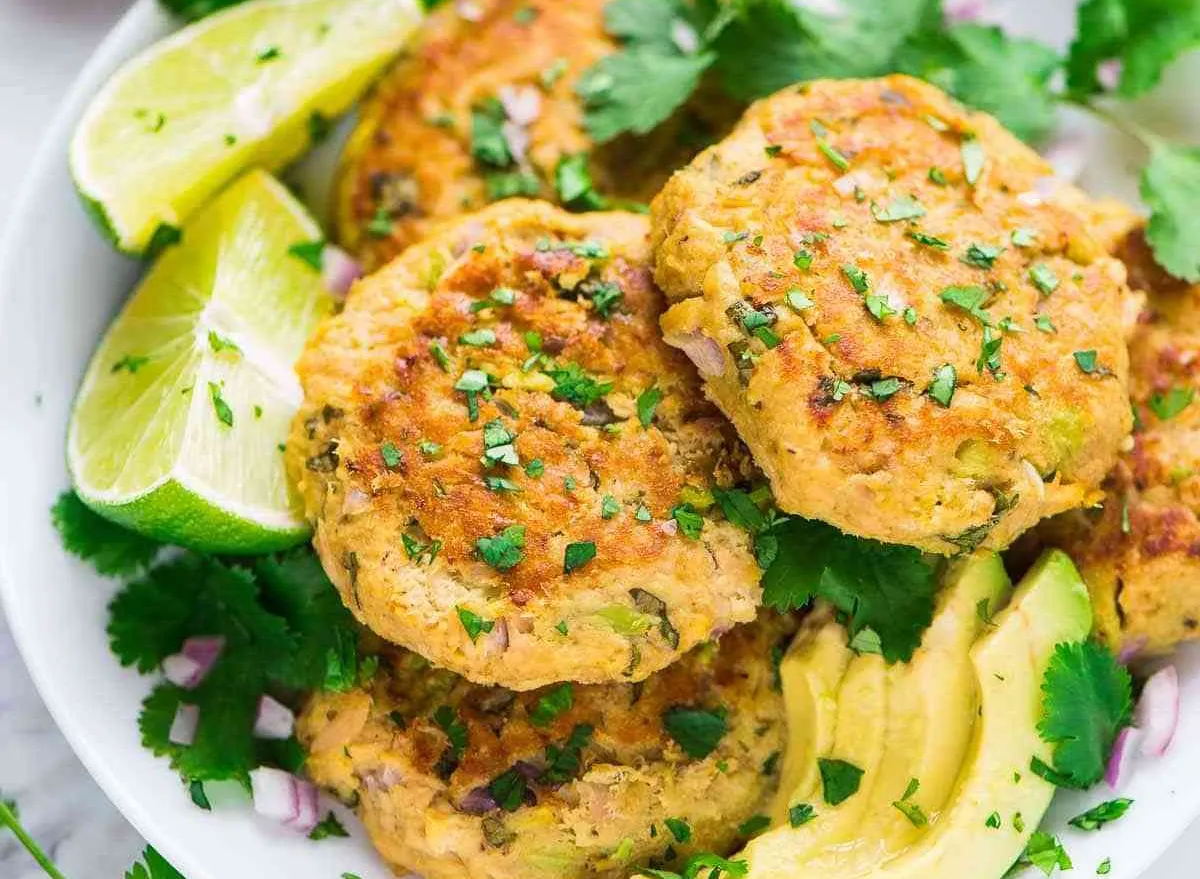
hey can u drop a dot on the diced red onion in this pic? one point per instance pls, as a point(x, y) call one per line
point(1131, 649)
point(478, 801)
point(339, 271)
point(522, 104)
point(495, 642)
point(274, 719)
point(529, 771)
point(964, 11)
point(517, 138)
point(702, 351)
point(356, 501)
point(284, 798)
point(670, 527)
point(1122, 756)
point(1157, 712)
point(851, 181)
point(1109, 73)
point(183, 727)
point(468, 10)
point(195, 659)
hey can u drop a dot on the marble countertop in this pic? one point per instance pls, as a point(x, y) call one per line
point(43, 43)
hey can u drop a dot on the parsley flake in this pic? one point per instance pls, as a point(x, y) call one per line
point(839, 780)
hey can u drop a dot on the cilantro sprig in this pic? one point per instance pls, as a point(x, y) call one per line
point(882, 587)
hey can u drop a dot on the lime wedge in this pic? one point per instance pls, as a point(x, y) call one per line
point(178, 428)
point(252, 86)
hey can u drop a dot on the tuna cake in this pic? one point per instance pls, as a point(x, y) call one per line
point(458, 781)
point(507, 470)
point(914, 342)
point(488, 105)
point(1139, 550)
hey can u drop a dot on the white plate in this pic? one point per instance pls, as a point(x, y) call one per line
point(59, 286)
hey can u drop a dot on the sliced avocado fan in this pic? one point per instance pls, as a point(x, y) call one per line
point(949, 741)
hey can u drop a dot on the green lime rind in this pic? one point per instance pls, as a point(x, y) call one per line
point(174, 514)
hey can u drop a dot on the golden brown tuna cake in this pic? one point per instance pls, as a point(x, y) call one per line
point(1139, 551)
point(506, 467)
point(915, 344)
point(564, 782)
point(438, 137)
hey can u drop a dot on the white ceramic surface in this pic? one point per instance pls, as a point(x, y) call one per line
point(60, 284)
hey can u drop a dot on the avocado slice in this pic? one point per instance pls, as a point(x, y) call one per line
point(811, 674)
point(916, 735)
point(991, 772)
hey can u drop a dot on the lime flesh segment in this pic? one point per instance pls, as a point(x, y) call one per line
point(239, 89)
point(178, 426)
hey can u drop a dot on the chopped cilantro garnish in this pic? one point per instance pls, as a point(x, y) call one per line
point(993, 821)
point(1086, 361)
point(488, 144)
point(689, 521)
point(479, 338)
point(680, 829)
point(973, 159)
point(131, 363)
point(970, 300)
point(1097, 816)
point(697, 731)
point(440, 355)
point(312, 253)
point(219, 343)
point(800, 814)
point(941, 389)
point(224, 412)
point(830, 152)
point(391, 454)
point(910, 810)
point(1043, 278)
point(839, 780)
point(1023, 237)
point(563, 763)
point(577, 555)
point(473, 623)
point(647, 402)
point(903, 208)
point(1167, 404)
point(503, 551)
point(797, 300)
point(857, 278)
point(982, 256)
point(573, 385)
point(609, 507)
point(535, 468)
point(1045, 852)
point(884, 388)
point(328, 827)
point(553, 702)
point(573, 182)
point(802, 259)
point(1044, 323)
point(753, 826)
point(927, 240)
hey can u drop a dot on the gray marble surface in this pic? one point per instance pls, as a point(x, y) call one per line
point(43, 43)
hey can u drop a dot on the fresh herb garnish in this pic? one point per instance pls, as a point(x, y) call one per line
point(839, 780)
point(697, 731)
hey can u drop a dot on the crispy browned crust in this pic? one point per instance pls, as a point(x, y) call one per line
point(371, 377)
point(410, 156)
point(380, 749)
point(1033, 440)
point(1139, 552)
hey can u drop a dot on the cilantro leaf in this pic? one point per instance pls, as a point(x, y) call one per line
point(551, 704)
point(573, 385)
point(1086, 699)
point(1045, 852)
point(113, 550)
point(1170, 186)
point(1144, 36)
point(635, 89)
point(879, 586)
point(329, 827)
point(989, 70)
point(696, 730)
point(294, 586)
point(153, 866)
